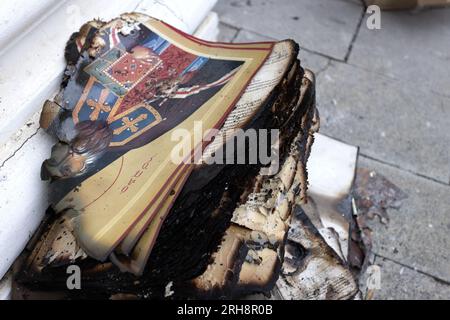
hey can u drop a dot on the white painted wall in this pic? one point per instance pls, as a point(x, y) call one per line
point(17, 17)
point(30, 72)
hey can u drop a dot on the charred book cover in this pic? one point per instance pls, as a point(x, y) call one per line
point(177, 167)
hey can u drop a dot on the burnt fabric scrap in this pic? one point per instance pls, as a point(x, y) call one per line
point(139, 226)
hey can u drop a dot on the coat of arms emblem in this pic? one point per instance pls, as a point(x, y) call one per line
point(130, 84)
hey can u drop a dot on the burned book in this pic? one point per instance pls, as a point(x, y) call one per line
point(178, 164)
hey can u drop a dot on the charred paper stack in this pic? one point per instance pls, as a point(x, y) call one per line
point(136, 222)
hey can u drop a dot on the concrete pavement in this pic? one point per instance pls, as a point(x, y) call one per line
point(387, 91)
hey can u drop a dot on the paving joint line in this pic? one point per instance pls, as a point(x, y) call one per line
point(436, 278)
point(420, 175)
point(226, 24)
point(238, 31)
point(355, 34)
point(323, 55)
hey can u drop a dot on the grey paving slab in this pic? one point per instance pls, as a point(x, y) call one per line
point(399, 122)
point(311, 61)
point(226, 33)
point(358, 2)
point(418, 234)
point(415, 47)
point(249, 36)
point(325, 26)
point(401, 283)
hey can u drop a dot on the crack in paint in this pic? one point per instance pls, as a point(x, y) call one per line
point(20, 147)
